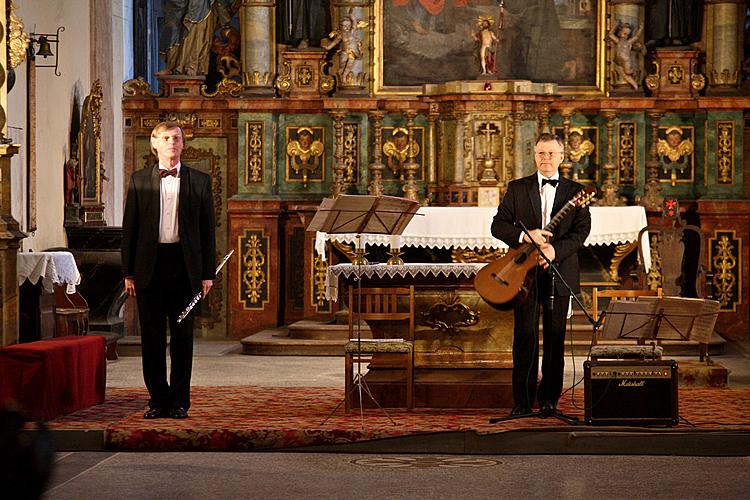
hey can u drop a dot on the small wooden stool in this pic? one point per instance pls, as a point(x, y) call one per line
point(363, 351)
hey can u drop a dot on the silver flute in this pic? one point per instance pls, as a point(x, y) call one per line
point(197, 298)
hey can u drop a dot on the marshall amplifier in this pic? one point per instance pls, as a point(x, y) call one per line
point(631, 393)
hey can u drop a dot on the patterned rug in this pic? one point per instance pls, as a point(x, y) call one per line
point(266, 418)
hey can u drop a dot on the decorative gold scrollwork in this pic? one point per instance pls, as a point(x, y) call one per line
point(319, 284)
point(724, 263)
point(449, 315)
point(254, 269)
point(725, 152)
point(18, 40)
point(654, 276)
point(137, 87)
point(225, 88)
point(468, 255)
point(255, 156)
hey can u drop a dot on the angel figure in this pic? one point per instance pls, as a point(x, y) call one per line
point(304, 153)
point(487, 41)
point(399, 149)
point(627, 48)
point(579, 151)
point(349, 40)
point(674, 152)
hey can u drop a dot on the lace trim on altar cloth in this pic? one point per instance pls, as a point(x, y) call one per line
point(381, 270)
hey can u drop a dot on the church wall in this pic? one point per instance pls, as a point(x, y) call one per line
point(54, 104)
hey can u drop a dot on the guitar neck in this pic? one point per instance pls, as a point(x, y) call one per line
point(560, 215)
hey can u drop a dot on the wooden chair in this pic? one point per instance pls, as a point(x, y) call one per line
point(621, 348)
point(380, 304)
point(71, 313)
point(676, 256)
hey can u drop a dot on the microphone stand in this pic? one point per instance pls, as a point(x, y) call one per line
point(568, 419)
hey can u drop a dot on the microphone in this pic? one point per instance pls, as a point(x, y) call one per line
point(552, 291)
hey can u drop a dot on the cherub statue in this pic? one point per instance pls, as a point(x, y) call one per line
point(580, 149)
point(627, 48)
point(487, 42)
point(349, 40)
point(304, 153)
point(674, 152)
point(398, 149)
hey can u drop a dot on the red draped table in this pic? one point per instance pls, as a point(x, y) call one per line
point(54, 377)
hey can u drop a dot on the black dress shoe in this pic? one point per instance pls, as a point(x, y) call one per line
point(178, 412)
point(152, 413)
point(547, 407)
point(520, 410)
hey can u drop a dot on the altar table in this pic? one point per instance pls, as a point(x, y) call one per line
point(469, 227)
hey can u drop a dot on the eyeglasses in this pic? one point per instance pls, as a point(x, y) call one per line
point(548, 154)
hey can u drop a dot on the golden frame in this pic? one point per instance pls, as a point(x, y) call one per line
point(90, 147)
point(379, 87)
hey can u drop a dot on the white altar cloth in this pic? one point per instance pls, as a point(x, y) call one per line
point(333, 273)
point(469, 227)
point(52, 267)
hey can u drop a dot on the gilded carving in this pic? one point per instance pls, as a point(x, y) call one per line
point(468, 255)
point(653, 79)
point(304, 76)
point(253, 269)
point(675, 74)
point(209, 123)
point(723, 258)
point(255, 158)
point(622, 250)
point(626, 154)
point(18, 40)
point(654, 276)
point(283, 82)
point(449, 315)
point(184, 120)
point(304, 154)
point(725, 152)
point(697, 80)
point(225, 88)
point(319, 269)
point(351, 149)
point(397, 150)
point(675, 153)
point(137, 87)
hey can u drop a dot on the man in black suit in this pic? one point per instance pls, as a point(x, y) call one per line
point(168, 257)
point(534, 200)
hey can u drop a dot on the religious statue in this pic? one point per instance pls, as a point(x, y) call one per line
point(72, 179)
point(487, 42)
point(304, 153)
point(348, 38)
point(674, 152)
point(398, 149)
point(302, 23)
point(580, 149)
point(187, 32)
point(627, 49)
point(673, 22)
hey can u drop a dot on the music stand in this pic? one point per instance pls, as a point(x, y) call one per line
point(663, 318)
point(358, 214)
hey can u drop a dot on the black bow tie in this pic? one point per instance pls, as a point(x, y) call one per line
point(552, 182)
point(164, 172)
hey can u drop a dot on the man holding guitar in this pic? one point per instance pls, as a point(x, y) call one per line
point(532, 201)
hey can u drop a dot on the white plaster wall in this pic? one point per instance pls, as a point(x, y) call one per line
point(54, 101)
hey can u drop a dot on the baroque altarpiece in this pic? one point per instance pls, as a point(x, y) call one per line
point(442, 104)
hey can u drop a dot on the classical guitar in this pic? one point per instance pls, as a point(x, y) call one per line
point(506, 282)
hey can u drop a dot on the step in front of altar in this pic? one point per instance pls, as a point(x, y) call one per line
point(302, 338)
point(442, 388)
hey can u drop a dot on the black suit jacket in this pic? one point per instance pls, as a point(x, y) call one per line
point(197, 226)
point(523, 203)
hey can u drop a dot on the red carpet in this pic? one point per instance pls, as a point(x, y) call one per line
point(264, 418)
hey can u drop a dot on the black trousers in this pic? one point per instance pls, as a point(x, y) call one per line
point(526, 345)
point(160, 304)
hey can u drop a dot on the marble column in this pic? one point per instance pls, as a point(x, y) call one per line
point(724, 47)
point(258, 49)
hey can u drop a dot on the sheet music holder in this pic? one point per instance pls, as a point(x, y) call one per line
point(363, 214)
point(662, 318)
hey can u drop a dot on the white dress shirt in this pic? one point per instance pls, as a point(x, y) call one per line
point(169, 195)
point(547, 194)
